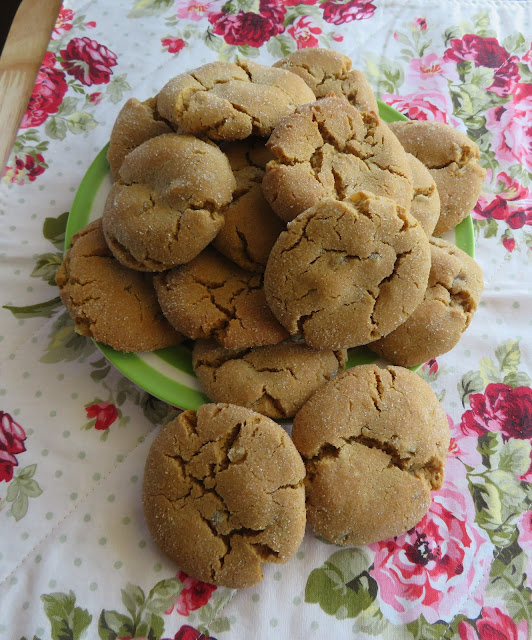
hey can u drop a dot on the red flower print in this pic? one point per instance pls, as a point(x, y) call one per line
point(428, 105)
point(509, 244)
point(12, 437)
point(194, 595)
point(63, 22)
point(50, 87)
point(304, 31)
point(432, 366)
point(275, 11)
point(95, 98)
point(513, 204)
point(438, 567)
point(187, 632)
point(339, 12)
point(511, 125)
point(294, 3)
point(25, 170)
point(244, 28)
point(420, 23)
point(174, 44)
point(487, 52)
point(88, 61)
point(500, 408)
point(104, 412)
point(493, 624)
point(196, 9)
point(337, 37)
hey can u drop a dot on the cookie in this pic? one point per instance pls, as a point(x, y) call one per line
point(136, 123)
point(275, 380)
point(109, 302)
point(452, 159)
point(251, 227)
point(425, 206)
point(223, 494)
point(330, 149)
point(210, 297)
point(436, 326)
point(374, 442)
point(231, 100)
point(326, 71)
point(346, 273)
point(167, 205)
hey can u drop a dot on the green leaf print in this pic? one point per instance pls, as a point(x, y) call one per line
point(515, 456)
point(508, 356)
point(370, 621)
point(116, 88)
point(133, 598)
point(423, 630)
point(507, 576)
point(143, 8)
point(55, 128)
point(54, 229)
point(471, 382)
point(342, 586)
point(81, 122)
point(47, 266)
point(280, 46)
point(163, 595)
point(68, 105)
point(112, 625)
point(65, 344)
point(66, 620)
point(488, 371)
point(39, 310)
point(517, 379)
point(21, 488)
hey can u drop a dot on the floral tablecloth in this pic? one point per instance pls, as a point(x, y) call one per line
point(76, 559)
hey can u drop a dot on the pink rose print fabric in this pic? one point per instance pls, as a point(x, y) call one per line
point(104, 412)
point(494, 624)
point(194, 595)
point(524, 526)
point(47, 95)
point(88, 61)
point(12, 437)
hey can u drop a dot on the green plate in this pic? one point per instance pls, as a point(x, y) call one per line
point(167, 373)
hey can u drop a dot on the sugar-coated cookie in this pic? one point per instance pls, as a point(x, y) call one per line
point(330, 149)
point(231, 100)
point(326, 71)
point(275, 380)
point(437, 324)
point(136, 123)
point(452, 159)
point(374, 442)
point(223, 494)
point(211, 297)
point(346, 273)
point(107, 301)
point(251, 227)
point(425, 205)
point(166, 206)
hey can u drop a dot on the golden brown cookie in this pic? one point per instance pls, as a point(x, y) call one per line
point(452, 159)
point(223, 493)
point(275, 380)
point(374, 442)
point(251, 227)
point(436, 326)
point(167, 205)
point(231, 100)
point(425, 205)
point(346, 273)
point(330, 149)
point(326, 71)
point(136, 123)
point(109, 302)
point(210, 297)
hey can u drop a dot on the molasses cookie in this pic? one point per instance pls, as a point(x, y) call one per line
point(109, 302)
point(326, 71)
point(231, 100)
point(425, 205)
point(251, 227)
point(346, 273)
point(436, 326)
point(275, 380)
point(330, 149)
point(136, 123)
point(452, 159)
point(212, 297)
point(223, 493)
point(374, 442)
point(167, 205)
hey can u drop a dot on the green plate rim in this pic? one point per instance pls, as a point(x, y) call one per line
point(131, 364)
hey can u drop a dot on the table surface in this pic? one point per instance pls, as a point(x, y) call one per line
point(76, 558)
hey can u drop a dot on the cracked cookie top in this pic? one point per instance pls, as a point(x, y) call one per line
point(452, 159)
point(346, 273)
point(374, 442)
point(425, 205)
point(210, 297)
point(326, 71)
point(436, 326)
point(250, 225)
point(275, 380)
point(109, 302)
point(166, 206)
point(223, 493)
point(136, 123)
point(231, 100)
point(330, 149)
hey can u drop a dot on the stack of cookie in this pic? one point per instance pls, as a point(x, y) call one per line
point(270, 215)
